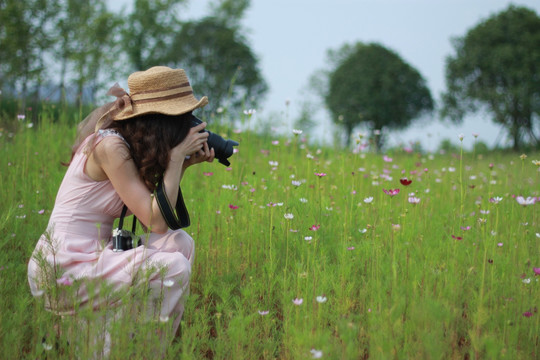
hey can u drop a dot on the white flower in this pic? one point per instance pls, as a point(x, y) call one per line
point(321, 299)
point(368, 200)
point(297, 132)
point(298, 301)
point(528, 201)
point(273, 163)
point(362, 231)
point(46, 346)
point(309, 156)
point(229, 187)
point(163, 318)
point(296, 183)
point(526, 281)
point(288, 216)
point(414, 200)
point(30, 125)
point(250, 112)
point(168, 283)
point(303, 200)
point(452, 169)
point(316, 354)
point(308, 238)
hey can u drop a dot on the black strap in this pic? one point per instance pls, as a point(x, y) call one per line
point(175, 220)
point(121, 222)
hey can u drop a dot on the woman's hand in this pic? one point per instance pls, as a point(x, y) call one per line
point(192, 144)
point(205, 154)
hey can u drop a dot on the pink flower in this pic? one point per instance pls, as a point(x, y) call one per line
point(387, 159)
point(233, 207)
point(64, 280)
point(263, 312)
point(465, 228)
point(298, 301)
point(320, 174)
point(208, 173)
point(391, 192)
point(536, 270)
point(350, 248)
point(457, 237)
point(315, 227)
point(527, 314)
point(41, 212)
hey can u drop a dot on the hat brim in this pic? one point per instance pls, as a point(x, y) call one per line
point(166, 107)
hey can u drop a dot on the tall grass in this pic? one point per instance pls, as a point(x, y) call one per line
point(450, 277)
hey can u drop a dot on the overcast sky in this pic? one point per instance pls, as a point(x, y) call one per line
point(291, 38)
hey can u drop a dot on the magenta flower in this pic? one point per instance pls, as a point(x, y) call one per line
point(457, 237)
point(233, 207)
point(527, 314)
point(465, 228)
point(315, 227)
point(405, 181)
point(64, 280)
point(391, 192)
point(320, 174)
point(536, 270)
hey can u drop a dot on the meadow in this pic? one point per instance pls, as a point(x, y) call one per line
point(305, 252)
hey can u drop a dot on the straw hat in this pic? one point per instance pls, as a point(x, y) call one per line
point(159, 89)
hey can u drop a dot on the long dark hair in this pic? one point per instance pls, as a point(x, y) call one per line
point(151, 138)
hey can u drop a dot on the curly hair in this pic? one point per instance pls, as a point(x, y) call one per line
point(151, 138)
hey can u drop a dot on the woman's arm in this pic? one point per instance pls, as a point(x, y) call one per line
point(114, 159)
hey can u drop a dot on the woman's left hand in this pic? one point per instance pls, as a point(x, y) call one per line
point(205, 154)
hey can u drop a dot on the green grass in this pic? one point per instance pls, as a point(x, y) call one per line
point(398, 280)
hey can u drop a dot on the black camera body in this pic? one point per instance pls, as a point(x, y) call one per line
point(222, 148)
point(125, 240)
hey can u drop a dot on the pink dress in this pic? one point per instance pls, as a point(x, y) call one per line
point(77, 242)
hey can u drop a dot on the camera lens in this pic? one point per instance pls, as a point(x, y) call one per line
point(222, 148)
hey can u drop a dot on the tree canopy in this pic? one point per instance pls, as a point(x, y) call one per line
point(373, 86)
point(496, 67)
point(219, 63)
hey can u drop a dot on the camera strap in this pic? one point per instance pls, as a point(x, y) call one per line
point(175, 219)
point(121, 222)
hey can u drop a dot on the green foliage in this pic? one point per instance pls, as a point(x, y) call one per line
point(219, 63)
point(149, 32)
point(373, 86)
point(496, 66)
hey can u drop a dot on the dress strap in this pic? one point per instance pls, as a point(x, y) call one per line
point(110, 132)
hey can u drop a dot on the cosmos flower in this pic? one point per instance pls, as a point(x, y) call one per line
point(208, 173)
point(527, 314)
point(298, 301)
point(320, 174)
point(413, 200)
point(263, 312)
point(536, 270)
point(296, 183)
point(405, 181)
point(163, 318)
point(368, 200)
point(461, 137)
point(288, 216)
point(308, 238)
point(297, 132)
point(316, 354)
point(64, 280)
point(391, 192)
point(524, 202)
point(233, 207)
point(168, 283)
point(495, 200)
point(457, 237)
point(387, 159)
point(315, 227)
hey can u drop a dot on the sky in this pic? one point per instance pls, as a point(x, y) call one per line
point(291, 39)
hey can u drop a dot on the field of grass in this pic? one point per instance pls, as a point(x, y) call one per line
point(301, 253)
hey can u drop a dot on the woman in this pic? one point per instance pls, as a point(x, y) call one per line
point(143, 138)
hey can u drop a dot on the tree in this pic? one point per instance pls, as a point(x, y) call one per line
point(219, 63)
point(86, 41)
point(496, 66)
point(372, 85)
point(149, 31)
point(24, 41)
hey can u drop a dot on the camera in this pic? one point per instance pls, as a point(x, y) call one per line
point(222, 148)
point(124, 240)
